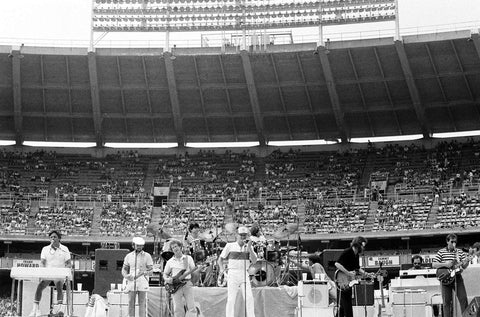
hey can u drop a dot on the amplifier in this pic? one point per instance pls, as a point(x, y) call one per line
point(409, 297)
point(363, 294)
point(473, 309)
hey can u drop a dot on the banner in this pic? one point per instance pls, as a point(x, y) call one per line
point(161, 191)
point(388, 260)
point(26, 263)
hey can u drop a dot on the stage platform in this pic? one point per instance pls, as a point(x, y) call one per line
point(269, 301)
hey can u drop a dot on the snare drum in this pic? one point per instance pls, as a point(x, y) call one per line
point(261, 273)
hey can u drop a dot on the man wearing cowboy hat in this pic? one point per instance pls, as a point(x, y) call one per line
point(137, 266)
point(240, 255)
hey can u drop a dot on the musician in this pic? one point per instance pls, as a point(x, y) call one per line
point(240, 255)
point(314, 267)
point(475, 250)
point(259, 241)
point(193, 244)
point(450, 257)
point(348, 263)
point(174, 266)
point(417, 262)
point(54, 255)
point(137, 267)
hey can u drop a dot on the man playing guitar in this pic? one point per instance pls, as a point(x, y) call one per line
point(455, 260)
point(174, 269)
point(137, 266)
point(348, 265)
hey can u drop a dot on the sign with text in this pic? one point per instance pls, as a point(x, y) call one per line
point(387, 260)
point(26, 263)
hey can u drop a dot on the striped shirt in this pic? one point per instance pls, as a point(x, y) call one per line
point(238, 256)
point(444, 255)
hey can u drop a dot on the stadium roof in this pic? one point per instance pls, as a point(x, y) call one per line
point(423, 84)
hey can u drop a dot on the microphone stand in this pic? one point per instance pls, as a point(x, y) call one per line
point(160, 277)
point(69, 297)
point(135, 282)
point(364, 287)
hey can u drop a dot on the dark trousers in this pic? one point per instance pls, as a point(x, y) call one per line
point(43, 284)
point(448, 300)
point(345, 309)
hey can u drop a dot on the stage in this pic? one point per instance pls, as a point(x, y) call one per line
point(269, 301)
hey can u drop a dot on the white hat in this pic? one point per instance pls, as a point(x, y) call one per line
point(243, 229)
point(138, 241)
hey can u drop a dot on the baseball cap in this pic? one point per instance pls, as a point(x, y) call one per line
point(243, 230)
point(138, 241)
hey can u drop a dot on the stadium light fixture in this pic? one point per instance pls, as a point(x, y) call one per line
point(59, 144)
point(7, 142)
point(166, 145)
point(302, 142)
point(221, 144)
point(393, 138)
point(445, 135)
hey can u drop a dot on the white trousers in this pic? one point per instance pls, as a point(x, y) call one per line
point(239, 280)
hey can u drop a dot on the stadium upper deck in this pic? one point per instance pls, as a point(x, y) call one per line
point(421, 85)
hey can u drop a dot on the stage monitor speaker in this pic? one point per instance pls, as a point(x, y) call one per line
point(118, 304)
point(363, 294)
point(328, 259)
point(359, 311)
point(108, 269)
point(473, 309)
point(315, 295)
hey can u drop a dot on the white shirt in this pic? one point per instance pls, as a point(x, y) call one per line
point(144, 259)
point(175, 265)
point(55, 257)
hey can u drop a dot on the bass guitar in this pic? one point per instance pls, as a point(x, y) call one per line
point(179, 279)
point(446, 275)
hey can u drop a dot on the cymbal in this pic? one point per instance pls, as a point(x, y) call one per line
point(207, 236)
point(231, 227)
point(155, 230)
point(285, 231)
point(162, 234)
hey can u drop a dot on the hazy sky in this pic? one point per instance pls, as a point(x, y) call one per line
point(70, 19)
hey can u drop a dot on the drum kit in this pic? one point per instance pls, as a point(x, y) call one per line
point(271, 268)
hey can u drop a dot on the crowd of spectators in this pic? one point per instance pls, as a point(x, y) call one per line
point(335, 216)
point(231, 179)
point(462, 211)
point(401, 215)
point(70, 219)
point(210, 175)
point(124, 219)
point(270, 216)
point(14, 217)
point(7, 308)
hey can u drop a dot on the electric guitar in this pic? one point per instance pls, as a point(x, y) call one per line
point(129, 283)
point(178, 279)
point(345, 281)
point(446, 275)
